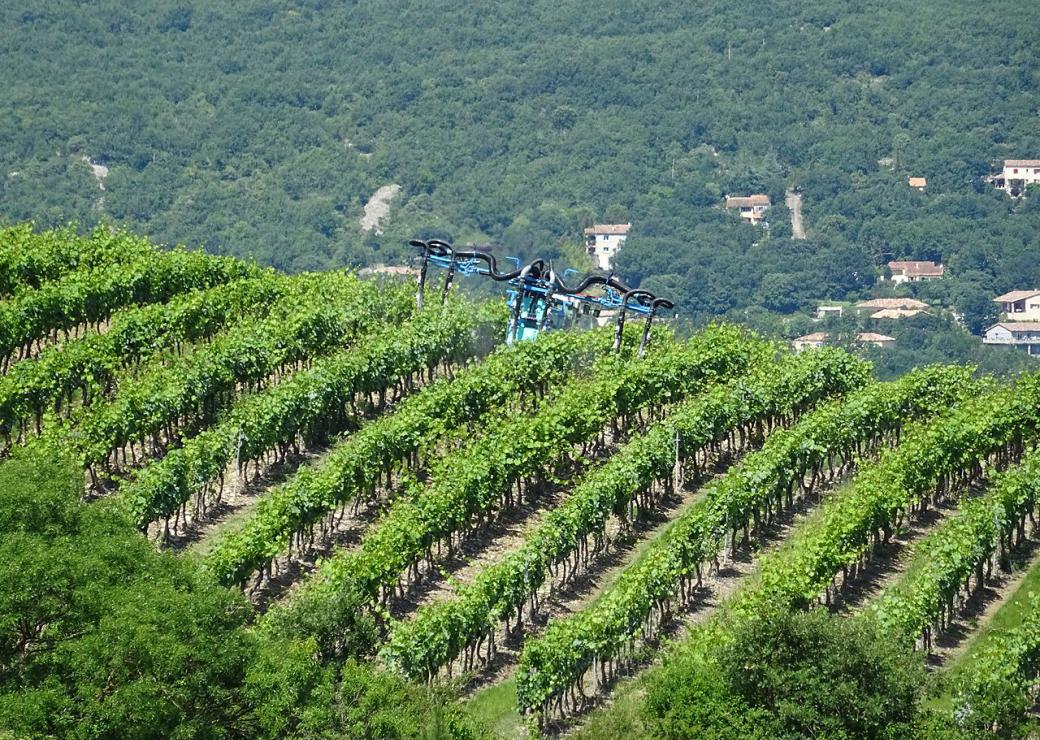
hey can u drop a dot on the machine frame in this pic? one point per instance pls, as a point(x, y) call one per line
point(537, 291)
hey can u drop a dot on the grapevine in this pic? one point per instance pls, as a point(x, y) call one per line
point(149, 408)
point(439, 633)
point(484, 475)
point(753, 491)
point(312, 401)
point(351, 472)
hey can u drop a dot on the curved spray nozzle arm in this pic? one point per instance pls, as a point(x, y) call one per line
point(655, 305)
point(589, 281)
point(643, 297)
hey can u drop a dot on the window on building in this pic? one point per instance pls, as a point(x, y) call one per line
point(1016, 170)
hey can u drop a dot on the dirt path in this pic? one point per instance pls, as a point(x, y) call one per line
point(481, 551)
point(238, 502)
point(602, 572)
point(794, 205)
point(891, 559)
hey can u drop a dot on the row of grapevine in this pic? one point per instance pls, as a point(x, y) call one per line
point(313, 402)
point(88, 367)
point(553, 666)
point(933, 461)
point(351, 472)
point(441, 631)
point(29, 259)
point(959, 553)
point(469, 484)
point(91, 295)
point(333, 313)
point(1000, 685)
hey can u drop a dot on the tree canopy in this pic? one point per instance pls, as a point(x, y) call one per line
point(262, 128)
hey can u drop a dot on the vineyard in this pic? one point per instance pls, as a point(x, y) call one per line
point(542, 533)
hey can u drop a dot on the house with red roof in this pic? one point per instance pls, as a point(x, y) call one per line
point(915, 271)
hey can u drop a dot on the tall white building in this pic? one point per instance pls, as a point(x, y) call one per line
point(603, 241)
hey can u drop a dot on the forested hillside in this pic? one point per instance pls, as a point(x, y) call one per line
point(261, 128)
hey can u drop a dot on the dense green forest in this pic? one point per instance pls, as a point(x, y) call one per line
point(261, 129)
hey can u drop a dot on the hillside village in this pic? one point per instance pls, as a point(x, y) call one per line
point(1017, 322)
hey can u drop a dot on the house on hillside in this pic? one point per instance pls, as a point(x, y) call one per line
point(1020, 305)
point(823, 312)
point(897, 304)
point(752, 208)
point(809, 341)
point(603, 241)
point(1016, 176)
point(1023, 334)
point(915, 271)
point(896, 313)
point(878, 340)
point(392, 270)
point(818, 338)
point(917, 183)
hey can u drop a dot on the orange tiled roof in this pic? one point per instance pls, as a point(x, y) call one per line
point(816, 336)
point(1019, 326)
point(918, 267)
point(608, 229)
point(742, 201)
point(896, 313)
point(892, 303)
point(1016, 295)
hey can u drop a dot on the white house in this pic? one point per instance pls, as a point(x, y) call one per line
point(752, 207)
point(1017, 175)
point(1020, 305)
point(823, 312)
point(915, 271)
point(603, 241)
point(1025, 334)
